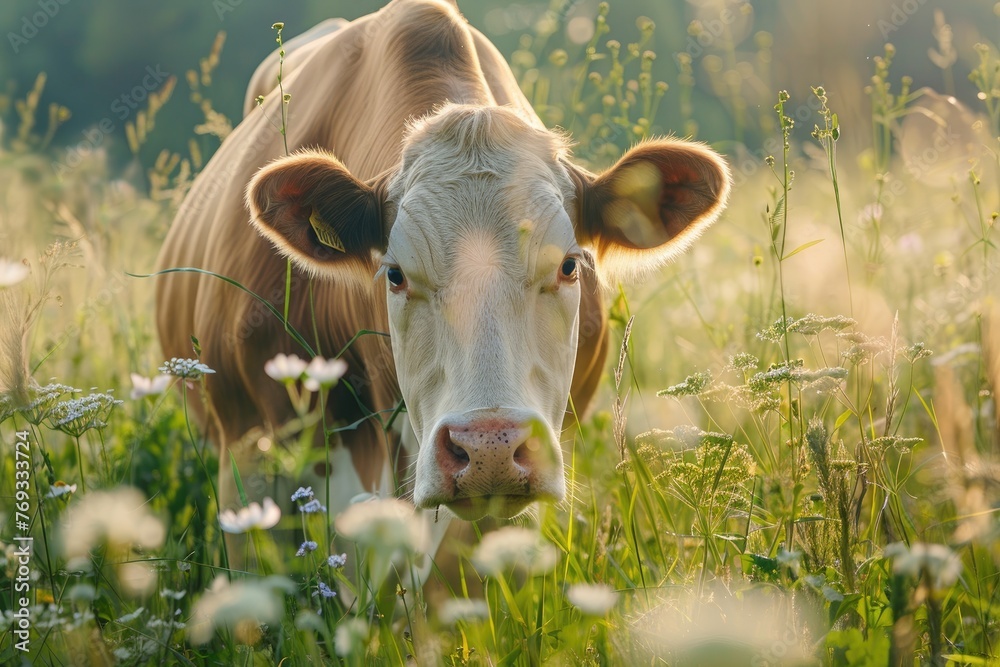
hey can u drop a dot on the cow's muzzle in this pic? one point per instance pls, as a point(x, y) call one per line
point(493, 462)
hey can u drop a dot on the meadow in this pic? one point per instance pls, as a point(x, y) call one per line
point(793, 459)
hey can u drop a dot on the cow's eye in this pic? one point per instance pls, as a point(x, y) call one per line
point(568, 268)
point(395, 276)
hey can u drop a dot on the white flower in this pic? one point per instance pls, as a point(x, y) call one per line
point(322, 373)
point(351, 637)
point(137, 578)
point(78, 415)
point(285, 367)
point(942, 565)
point(60, 488)
point(227, 605)
point(592, 599)
point(463, 609)
point(514, 546)
point(386, 523)
point(119, 517)
point(143, 386)
point(189, 369)
point(252, 516)
point(12, 273)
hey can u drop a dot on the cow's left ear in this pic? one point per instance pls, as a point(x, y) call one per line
point(318, 214)
point(650, 206)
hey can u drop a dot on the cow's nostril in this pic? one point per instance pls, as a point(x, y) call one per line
point(458, 452)
point(522, 455)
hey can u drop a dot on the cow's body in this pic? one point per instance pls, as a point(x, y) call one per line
point(354, 90)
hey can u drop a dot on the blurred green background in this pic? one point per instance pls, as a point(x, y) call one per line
point(94, 51)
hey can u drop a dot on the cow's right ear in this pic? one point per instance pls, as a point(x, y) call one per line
point(316, 213)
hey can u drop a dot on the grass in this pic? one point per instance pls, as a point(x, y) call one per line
point(779, 471)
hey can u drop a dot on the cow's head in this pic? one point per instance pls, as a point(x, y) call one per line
point(480, 236)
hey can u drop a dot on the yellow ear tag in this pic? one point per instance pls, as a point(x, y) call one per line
point(325, 233)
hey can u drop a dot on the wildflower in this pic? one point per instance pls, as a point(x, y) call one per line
point(60, 488)
point(743, 361)
point(285, 367)
point(77, 416)
point(188, 369)
point(7, 408)
point(128, 618)
point(12, 273)
point(143, 386)
point(387, 523)
point(351, 637)
point(692, 385)
point(514, 546)
point(302, 493)
point(42, 400)
point(312, 506)
point(136, 577)
point(119, 518)
point(336, 561)
point(237, 605)
point(252, 516)
point(324, 591)
point(172, 595)
point(463, 609)
point(791, 560)
point(940, 564)
point(307, 547)
point(592, 599)
point(322, 373)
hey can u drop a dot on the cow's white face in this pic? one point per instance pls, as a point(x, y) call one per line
point(479, 237)
point(483, 292)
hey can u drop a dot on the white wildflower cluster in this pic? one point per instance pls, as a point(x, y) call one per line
point(938, 563)
point(237, 605)
point(384, 523)
point(119, 518)
point(188, 369)
point(7, 407)
point(592, 599)
point(42, 400)
point(254, 515)
point(77, 416)
point(463, 609)
point(514, 547)
point(351, 637)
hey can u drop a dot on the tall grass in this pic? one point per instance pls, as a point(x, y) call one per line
point(793, 460)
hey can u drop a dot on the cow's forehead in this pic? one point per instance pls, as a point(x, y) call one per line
point(480, 184)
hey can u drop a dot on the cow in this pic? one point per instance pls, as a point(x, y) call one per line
point(422, 197)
